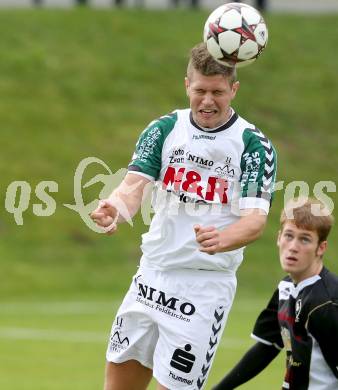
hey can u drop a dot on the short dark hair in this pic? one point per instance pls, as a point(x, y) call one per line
point(312, 215)
point(204, 63)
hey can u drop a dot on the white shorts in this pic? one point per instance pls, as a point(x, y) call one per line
point(171, 322)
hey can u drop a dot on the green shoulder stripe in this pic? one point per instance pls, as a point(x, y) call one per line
point(258, 165)
point(147, 157)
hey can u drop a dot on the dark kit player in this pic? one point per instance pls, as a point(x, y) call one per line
point(302, 315)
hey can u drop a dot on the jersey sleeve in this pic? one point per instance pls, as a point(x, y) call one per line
point(266, 329)
point(147, 158)
point(323, 326)
point(258, 171)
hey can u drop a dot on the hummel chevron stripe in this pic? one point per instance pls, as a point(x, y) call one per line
point(216, 327)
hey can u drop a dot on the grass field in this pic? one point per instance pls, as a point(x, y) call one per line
point(81, 83)
point(61, 345)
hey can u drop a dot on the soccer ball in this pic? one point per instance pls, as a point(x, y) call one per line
point(235, 34)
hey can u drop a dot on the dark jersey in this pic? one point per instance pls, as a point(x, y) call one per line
point(304, 320)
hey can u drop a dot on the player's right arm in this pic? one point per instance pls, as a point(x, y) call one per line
point(144, 168)
point(122, 204)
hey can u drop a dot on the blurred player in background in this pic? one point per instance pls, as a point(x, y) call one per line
point(302, 315)
point(213, 174)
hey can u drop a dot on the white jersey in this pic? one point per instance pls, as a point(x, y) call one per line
point(201, 177)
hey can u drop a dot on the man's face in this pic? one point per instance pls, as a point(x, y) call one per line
point(299, 252)
point(210, 98)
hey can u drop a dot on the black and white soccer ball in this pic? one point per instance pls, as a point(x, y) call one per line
point(235, 34)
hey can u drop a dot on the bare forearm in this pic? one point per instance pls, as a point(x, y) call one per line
point(243, 232)
point(122, 204)
point(127, 197)
point(127, 206)
point(237, 235)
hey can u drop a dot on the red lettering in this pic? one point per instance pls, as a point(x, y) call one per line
point(191, 183)
point(219, 186)
point(173, 178)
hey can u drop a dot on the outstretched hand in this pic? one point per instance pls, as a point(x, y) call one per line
point(106, 216)
point(209, 239)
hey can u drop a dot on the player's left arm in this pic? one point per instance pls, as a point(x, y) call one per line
point(258, 167)
point(323, 326)
point(246, 230)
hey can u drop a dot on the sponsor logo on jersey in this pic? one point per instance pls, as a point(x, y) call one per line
point(286, 337)
point(119, 321)
point(116, 337)
point(160, 301)
point(180, 180)
point(225, 171)
point(293, 363)
point(200, 161)
point(146, 147)
point(182, 359)
point(252, 165)
point(177, 156)
point(298, 308)
point(117, 341)
point(188, 199)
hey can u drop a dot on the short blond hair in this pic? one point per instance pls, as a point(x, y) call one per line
point(204, 63)
point(310, 214)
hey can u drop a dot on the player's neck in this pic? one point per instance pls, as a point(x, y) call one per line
point(230, 113)
point(299, 278)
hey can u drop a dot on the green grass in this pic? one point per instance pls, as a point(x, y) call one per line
point(81, 83)
point(61, 345)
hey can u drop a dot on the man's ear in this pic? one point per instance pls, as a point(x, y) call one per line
point(321, 248)
point(187, 85)
point(234, 89)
